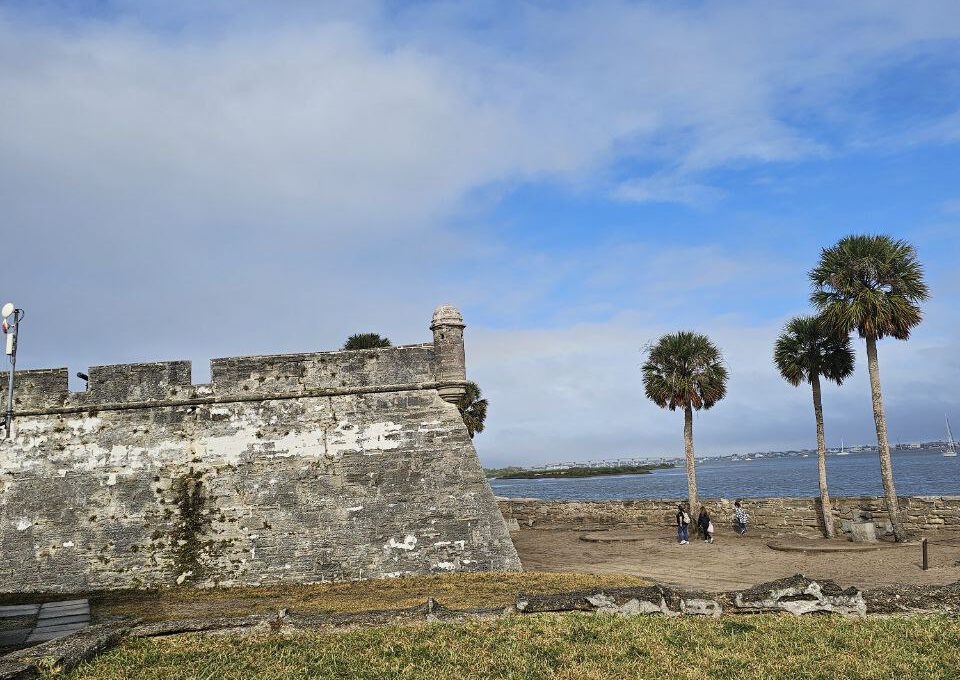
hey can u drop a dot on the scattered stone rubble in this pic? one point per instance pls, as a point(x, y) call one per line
point(800, 595)
point(797, 595)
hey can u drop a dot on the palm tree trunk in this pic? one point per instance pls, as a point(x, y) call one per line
point(883, 444)
point(825, 507)
point(691, 466)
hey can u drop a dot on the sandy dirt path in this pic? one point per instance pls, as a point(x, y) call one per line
point(731, 562)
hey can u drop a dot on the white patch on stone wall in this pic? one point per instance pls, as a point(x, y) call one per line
point(373, 438)
point(68, 544)
point(357, 508)
point(409, 542)
point(112, 479)
point(445, 566)
point(23, 524)
point(84, 425)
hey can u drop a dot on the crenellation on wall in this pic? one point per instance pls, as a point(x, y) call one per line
point(120, 383)
point(127, 386)
point(298, 373)
point(45, 387)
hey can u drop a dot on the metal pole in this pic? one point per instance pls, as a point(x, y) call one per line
point(926, 564)
point(13, 367)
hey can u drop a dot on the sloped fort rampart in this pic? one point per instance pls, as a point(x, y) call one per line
point(296, 467)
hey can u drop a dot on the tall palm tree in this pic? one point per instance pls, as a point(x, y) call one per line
point(366, 341)
point(805, 351)
point(473, 408)
point(685, 370)
point(873, 285)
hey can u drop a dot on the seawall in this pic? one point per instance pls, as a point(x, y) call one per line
point(312, 467)
point(922, 514)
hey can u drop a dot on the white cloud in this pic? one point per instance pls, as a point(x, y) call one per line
point(667, 189)
point(576, 393)
point(308, 160)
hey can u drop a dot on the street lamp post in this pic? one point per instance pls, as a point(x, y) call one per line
point(10, 349)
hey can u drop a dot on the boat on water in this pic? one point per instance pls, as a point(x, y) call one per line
point(842, 451)
point(951, 450)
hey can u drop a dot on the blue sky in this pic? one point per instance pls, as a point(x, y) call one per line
point(577, 178)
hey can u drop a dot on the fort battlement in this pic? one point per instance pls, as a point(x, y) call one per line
point(250, 378)
point(292, 467)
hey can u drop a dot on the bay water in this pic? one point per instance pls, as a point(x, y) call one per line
point(916, 473)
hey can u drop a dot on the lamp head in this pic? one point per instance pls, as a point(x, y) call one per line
point(7, 310)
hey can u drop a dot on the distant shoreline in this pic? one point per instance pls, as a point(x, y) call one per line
point(918, 473)
point(577, 472)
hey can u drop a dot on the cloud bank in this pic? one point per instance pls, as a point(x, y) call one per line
point(185, 181)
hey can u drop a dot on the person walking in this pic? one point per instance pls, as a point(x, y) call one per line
point(740, 518)
point(683, 524)
point(706, 525)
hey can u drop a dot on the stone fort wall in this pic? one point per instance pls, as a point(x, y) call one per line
point(923, 515)
point(288, 468)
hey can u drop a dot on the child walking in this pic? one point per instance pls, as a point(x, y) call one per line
point(740, 518)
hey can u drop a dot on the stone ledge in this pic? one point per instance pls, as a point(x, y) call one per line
point(64, 654)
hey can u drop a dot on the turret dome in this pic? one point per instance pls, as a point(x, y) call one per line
point(447, 315)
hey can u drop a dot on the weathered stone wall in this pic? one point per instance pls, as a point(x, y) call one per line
point(923, 514)
point(300, 468)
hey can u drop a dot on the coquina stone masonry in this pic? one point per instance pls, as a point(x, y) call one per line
point(924, 515)
point(288, 468)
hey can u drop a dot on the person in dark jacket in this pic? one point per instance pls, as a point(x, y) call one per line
point(706, 525)
point(683, 524)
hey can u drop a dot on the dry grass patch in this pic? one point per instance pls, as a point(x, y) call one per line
point(561, 647)
point(459, 591)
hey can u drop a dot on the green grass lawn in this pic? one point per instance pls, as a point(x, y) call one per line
point(573, 646)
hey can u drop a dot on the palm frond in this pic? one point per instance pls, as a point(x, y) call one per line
point(871, 284)
point(366, 341)
point(473, 408)
point(808, 346)
point(684, 368)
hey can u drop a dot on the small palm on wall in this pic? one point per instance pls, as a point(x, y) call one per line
point(473, 408)
point(366, 341)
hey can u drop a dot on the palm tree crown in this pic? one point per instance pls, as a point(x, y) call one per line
point(366, 341)
point(473, 408)
point(807, 348)
point(871, 284)
point(684, 369)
